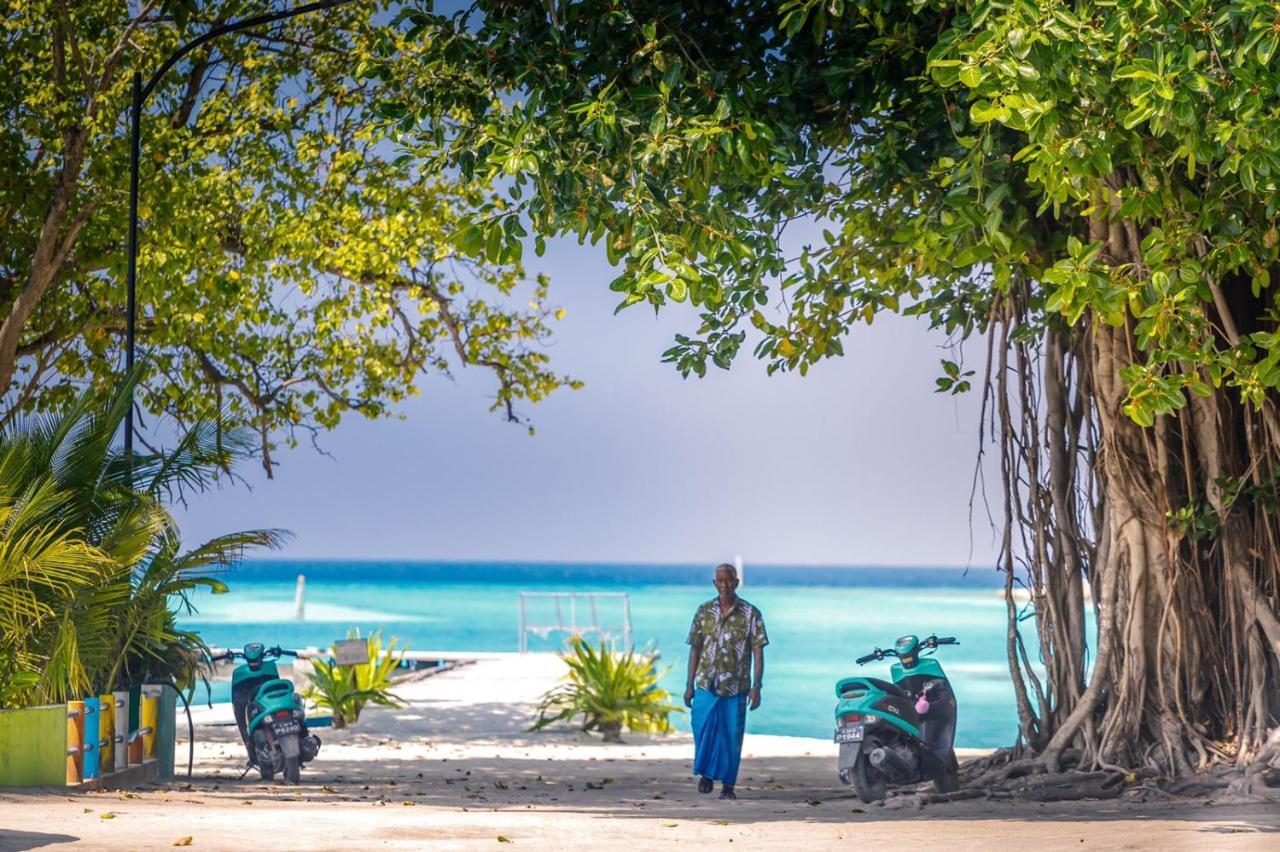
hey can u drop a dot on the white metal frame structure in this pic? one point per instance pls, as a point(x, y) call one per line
point(573, 628)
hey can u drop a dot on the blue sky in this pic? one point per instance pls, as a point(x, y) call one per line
point(857, 463)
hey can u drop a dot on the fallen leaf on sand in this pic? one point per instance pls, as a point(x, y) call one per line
point(670, 824)
point(328, 789)
point(183, 841)
point(407, 804)
point(88, 810)
point(502, 838)
point(857, 811)
point(107, 815)
point(722, 822)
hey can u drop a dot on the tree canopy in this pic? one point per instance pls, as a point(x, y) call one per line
point(1090, 186)
point(292, 267)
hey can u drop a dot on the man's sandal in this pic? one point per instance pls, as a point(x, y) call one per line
point(705, 784)
point(727, 793)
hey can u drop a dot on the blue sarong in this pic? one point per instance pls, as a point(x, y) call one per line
point(718, 724)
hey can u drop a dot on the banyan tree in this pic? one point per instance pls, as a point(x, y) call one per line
point(1083, 195)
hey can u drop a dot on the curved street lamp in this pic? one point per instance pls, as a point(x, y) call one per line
point(140, 94)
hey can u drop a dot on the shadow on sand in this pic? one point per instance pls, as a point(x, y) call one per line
point(15, 841)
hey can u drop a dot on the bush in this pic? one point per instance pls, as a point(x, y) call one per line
point(609, 690)
point(93, 572)
point(345, 690)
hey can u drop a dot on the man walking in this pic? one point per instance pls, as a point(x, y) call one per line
point(726, 642)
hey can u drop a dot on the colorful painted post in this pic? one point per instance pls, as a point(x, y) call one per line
point(89, 739)
point(150, 715)
point(75, 736)
point(120, 746)
point(135, 713)
point(106, 733)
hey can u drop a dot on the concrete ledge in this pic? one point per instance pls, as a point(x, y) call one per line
point(135, 776)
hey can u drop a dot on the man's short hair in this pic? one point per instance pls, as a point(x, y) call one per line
point(725, 566)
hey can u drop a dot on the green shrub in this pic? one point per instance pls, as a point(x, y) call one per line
point(345, 690)
point(93, 571)
point(609, 690)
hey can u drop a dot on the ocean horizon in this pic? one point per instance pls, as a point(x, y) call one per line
point(819, 619)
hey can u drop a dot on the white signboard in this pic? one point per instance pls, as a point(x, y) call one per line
point(350, 652)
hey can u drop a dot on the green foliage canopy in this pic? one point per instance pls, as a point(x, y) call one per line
point(292, 268)
point(949, 147)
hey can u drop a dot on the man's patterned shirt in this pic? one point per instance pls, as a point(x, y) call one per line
point(724, 666)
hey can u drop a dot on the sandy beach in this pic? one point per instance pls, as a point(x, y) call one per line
point(456, 769)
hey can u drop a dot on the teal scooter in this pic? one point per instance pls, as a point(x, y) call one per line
point(899, 732)
point(269, 713)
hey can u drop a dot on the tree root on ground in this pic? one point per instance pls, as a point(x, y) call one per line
point(1008, 775)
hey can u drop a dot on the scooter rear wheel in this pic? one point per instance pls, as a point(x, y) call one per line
point(868, 782)
point(292, 770)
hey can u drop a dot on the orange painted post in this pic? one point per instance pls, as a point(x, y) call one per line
point(75, 736)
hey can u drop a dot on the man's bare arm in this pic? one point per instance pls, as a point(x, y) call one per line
point(757, 665)
point(695, 651)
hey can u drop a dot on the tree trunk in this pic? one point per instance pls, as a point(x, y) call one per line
point(1175, 526)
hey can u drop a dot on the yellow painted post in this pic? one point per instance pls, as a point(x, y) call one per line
point(150, 715)
point(75, 736)
point(106, 733)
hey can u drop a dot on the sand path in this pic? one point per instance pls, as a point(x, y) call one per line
point(455, 769)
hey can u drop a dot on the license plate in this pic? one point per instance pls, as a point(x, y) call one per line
point(286, 728)
point(849, 735)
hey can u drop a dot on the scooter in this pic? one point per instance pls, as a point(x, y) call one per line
point(901, 732)
point(269, 713)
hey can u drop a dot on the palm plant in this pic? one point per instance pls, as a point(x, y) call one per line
point(609, 690)
point(346, 690)
point(92, 572)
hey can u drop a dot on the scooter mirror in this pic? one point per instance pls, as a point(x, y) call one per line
point(253, 651)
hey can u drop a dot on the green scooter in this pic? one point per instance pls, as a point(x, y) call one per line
point(899, 732)
point(269, 713)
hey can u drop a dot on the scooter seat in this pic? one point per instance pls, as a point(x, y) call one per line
point(889, 688)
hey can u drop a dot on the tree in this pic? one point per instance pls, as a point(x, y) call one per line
point(1088, 187)
point(292, 268)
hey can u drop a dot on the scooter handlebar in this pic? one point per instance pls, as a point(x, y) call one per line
point(877, 654)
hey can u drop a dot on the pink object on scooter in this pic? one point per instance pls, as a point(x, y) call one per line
point(922, 705)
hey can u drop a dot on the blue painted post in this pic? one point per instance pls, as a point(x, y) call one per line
point(89, 741)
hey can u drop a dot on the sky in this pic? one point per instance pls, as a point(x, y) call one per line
point(858, 463)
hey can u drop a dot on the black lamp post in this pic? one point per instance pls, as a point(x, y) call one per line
point(140, 94)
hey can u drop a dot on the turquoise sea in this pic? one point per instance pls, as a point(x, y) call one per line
point(819, 620)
